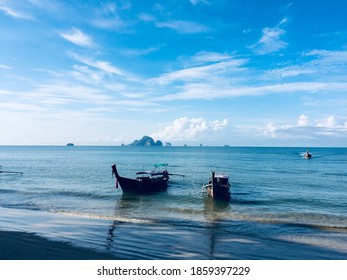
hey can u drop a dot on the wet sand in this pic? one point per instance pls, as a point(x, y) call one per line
point(29, 246)
point(37, 235)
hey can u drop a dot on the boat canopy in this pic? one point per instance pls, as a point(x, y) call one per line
point(161, 165)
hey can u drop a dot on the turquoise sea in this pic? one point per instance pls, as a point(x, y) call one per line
point(277, 197)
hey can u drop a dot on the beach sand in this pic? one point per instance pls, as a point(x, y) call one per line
point(38, 235)
point(29, 246)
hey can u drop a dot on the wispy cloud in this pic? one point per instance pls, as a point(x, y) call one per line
point(15, 13)
point(329, 56)
point(205, 57)
point(271, 40)
point(104, 66)
point(185, 128)
point(77, 37)
point(145, 17)
point(183, 26)
point(18, 106)
point(139, 52)
point(109, 16)
point(211, 76)
point(313, 64)
point(289, 71)
point(47, 5)
point(110, 23)
point(206, 72)
point(196, 2)
point(196, 91)
point(2, 66)
point(66, 93)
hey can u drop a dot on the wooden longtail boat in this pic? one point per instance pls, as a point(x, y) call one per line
point(149, 181)
point(218, 186)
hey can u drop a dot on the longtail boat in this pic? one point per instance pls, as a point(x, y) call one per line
point(148, 181)
point(218, 186)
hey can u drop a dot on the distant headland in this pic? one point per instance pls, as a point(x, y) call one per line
point(146, 141)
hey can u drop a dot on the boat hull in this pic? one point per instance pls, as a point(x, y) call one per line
point(141, 184)
point(219, 186)
point(218, 191)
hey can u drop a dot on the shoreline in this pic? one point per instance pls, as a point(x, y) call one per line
point(30, 246)
point(37, 235)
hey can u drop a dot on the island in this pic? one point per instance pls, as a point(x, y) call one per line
point(146, 141)
point(70, 144)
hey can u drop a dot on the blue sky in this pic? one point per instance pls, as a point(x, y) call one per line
point(236, 72)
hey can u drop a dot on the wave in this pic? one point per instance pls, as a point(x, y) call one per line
point(337, 228)
point(103, 217)
point(84, 194)
point(63, 193)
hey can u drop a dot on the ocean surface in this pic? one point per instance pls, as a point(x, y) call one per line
point(276, 196)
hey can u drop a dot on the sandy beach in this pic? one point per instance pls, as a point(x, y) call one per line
point(51, 236)
point(29, 246)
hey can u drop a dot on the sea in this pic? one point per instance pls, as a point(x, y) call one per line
point(282, 206)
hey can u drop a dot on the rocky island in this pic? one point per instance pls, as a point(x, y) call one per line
point(146, 141)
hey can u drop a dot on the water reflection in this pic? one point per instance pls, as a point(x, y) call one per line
point(134, 235)
point(214, 213)
point(111, 234)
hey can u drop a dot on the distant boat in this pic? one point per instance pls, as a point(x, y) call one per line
point(218, 186)
point(70, 144)
point(148, 181)
point(10, 172)
point(307, 155)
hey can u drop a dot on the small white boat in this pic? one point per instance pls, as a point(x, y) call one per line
point(307, 155)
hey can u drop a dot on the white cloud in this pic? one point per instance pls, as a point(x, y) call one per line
point(270, 41)
point(189, 129)
point(288, 72)
point(3, 92)
point(139, 52)
point(195, 2)
point(328, 126)
point(108, 16)
point(16, 106)
point(303, 120)
point(270, 130)
point(332, 56)
point(13, 13)
point(47, 5)
point(208, 57)
point(218, 125)
point(329, 122)
point(184, 27)
point(283, 21)
point(77, 37)
point(104, 66)
point(110, 23)
point(2, 66)
point(209, 90)
point(199, 73)
point(146, 17)
point(319, 65)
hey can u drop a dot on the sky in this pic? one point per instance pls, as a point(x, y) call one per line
point(223, 72)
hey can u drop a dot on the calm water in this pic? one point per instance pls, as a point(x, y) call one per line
point(275, 193)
